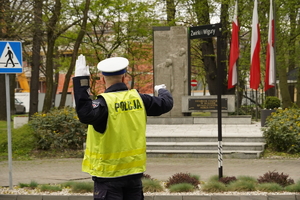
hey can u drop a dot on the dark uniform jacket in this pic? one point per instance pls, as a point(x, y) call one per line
point(95, 112)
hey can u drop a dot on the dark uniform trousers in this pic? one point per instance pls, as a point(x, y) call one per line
point(127, 189)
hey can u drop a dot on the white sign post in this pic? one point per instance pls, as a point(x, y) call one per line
point(10, 62)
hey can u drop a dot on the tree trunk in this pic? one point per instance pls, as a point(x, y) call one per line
point(51, 38)
point(2, 76)
point(36, 57)
point(74, 55)
point(292, 46)
point(2, 100)
point(224, 45)
point(171, 11)
point(283, 86)
point(298, 89)
point(49, 77)
point(207, 47)
point(209, 60)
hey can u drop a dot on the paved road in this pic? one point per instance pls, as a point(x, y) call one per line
point(62, 170)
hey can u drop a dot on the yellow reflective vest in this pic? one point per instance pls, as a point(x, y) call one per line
point(121, 150)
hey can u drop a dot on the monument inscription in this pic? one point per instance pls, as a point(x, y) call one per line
point(206, 104)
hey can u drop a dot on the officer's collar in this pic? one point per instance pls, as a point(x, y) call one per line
point(116, 87)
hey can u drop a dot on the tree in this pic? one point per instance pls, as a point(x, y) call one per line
point(75, 53)
point(201, 9)
point(121, 28)
point(14, 21)
point(36, 57)
point(171, 12)
point(56, 24)
point(137, 44)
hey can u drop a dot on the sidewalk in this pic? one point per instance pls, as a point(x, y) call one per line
point(61, 170)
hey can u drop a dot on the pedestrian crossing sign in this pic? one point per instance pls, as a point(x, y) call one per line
point(11, 57)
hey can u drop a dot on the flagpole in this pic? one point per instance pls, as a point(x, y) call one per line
point(237, 89)
point(274, 18)
point(237, 71)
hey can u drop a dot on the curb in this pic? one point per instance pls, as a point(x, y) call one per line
point(159, 197)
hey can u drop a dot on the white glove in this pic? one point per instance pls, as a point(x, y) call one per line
point(158, 87)
point(80, 68)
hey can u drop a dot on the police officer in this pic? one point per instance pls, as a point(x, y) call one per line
point(115, 154)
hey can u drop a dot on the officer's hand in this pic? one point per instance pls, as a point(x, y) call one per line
point(158, 87)
point(80, 68)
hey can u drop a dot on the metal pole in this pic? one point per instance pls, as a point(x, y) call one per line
point(8, 130)
point(219, 83)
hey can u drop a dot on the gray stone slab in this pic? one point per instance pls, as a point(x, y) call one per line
point(55, 197)
point(196, 197)
point(29, 197)
point(8, 197)
point(223, 197)
point(148, 197)
point(170, 62)
point(168, 120)
point(81, 198)
point(298, 196)
point(253, 197)
point(281, 197)
point(168, 197)
point(225, 120)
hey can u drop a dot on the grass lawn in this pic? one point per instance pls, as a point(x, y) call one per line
point(3, 123)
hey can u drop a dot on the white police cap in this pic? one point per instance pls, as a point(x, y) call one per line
point(113, 66)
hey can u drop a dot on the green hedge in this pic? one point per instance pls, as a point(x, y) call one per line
point(58, 129)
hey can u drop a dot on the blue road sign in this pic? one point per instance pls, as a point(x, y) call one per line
point(11, 57)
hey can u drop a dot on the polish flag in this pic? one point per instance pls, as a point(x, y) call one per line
point(255, 49)
point(234, 51)
point(270, 62)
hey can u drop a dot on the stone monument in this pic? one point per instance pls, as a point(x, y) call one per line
point(171, 63)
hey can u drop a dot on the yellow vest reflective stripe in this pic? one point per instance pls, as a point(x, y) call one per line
point(121, 150)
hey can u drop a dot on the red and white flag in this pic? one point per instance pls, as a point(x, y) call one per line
point(255, 50)
point(234, 50)
point(270, 61)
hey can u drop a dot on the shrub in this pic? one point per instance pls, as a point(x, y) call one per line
point(214, 178)
point(182, 187)
point(33, 184)
point(79, 187)
point(146, 176)
point(214, 186)
point(68, 184)
point(248, 179)
point(293, 187)
point(283, 131)
point(228, 179)
point(50, 188)
point(58, 129)
point(272, 102)
point(275, 177)
point(269, 187)
point(150, 185)
point(195, 176)
point(182, 178)
point(82, 187)
point(241, 185)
